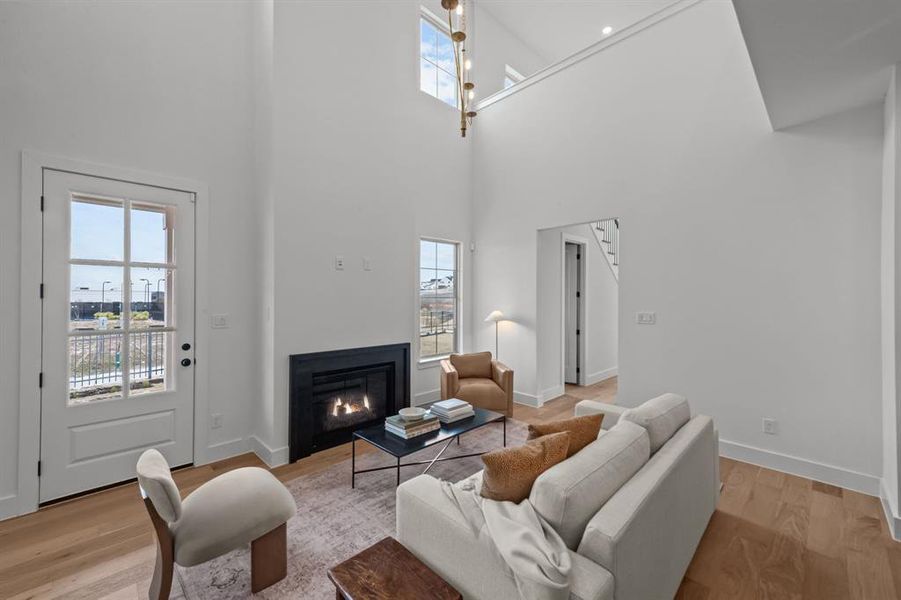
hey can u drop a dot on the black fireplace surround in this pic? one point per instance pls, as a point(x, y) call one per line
point(333, 393)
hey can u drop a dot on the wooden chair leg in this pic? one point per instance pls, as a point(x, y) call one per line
point(161, 583)
point(269, 558)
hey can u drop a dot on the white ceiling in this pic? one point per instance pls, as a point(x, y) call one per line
point(557, 28)
point(818, 57)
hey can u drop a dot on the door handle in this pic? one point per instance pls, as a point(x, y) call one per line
point(186, 346)
point(186, 362)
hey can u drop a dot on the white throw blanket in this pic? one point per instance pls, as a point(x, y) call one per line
point(533, 552)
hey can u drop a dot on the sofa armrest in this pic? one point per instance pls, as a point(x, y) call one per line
point(611, 412)
point(450, 380)
point(503, 377)
point(431, 526)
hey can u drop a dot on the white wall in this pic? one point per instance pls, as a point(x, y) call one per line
point(729, 234)
point(891, 198)
point(600, 295)
point(496, 47)
point(363, 164)
point(159, 87)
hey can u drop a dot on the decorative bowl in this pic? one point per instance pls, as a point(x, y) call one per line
point(412, 413)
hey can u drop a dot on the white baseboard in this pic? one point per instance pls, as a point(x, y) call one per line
point(844, 478)
point(600, 376)
point(551, 393)
point(425, 397)
point(9, 506)
point(226, 449)
point(527, 399)
point(271, 456)
point(894, 521)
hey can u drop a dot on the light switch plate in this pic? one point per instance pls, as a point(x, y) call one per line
point(216, 421)
point(367, 263)
point(646, 318)
point(219, 321)
point(339, 263)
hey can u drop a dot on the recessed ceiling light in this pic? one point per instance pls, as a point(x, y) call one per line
point(607, 30)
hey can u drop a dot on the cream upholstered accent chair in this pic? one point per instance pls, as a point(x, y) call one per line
point(479, 380)
point(247, 505)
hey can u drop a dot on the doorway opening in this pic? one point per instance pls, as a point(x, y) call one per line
point(578, 310)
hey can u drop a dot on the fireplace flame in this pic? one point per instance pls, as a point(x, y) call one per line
point(340, 407)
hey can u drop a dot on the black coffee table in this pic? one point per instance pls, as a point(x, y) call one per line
point(398, 447)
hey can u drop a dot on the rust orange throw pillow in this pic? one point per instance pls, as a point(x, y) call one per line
point(583, 431)
point(510, 472)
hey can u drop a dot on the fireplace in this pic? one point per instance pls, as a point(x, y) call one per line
point(333, 393)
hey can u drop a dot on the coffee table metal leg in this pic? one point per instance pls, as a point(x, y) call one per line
point(398, 471)
point(505, 431)
point(353, 462)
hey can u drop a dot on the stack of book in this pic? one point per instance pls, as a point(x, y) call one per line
point(451, 410)
point(410, 429)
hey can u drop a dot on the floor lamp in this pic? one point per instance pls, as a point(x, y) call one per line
point(495, 317)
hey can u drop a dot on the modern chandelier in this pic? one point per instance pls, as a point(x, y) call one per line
point(465, 88)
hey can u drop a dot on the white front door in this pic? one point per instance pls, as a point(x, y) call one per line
point(117, 330)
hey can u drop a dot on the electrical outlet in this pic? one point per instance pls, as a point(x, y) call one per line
point(339, 263)
point(769, 426)
point(645, 318)
point(216, 421)
point(219, 321)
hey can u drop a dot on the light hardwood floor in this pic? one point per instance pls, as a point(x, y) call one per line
point(773, 535)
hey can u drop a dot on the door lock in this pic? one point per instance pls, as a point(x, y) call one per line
point(186, 362)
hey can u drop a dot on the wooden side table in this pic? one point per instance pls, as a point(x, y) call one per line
point(388, 571)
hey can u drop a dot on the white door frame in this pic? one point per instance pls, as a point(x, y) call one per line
point(583, 305)
point(31, 246)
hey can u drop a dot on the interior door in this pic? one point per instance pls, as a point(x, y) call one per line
point(571, 308)
point(117, 330)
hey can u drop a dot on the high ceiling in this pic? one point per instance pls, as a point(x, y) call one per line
point(557, 28)
point(818, 57)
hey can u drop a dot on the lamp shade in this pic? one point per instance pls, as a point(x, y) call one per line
point(494, 317)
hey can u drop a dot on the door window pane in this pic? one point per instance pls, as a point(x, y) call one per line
point(95, 297)
point(149, 237)
point(149, 297)
point(95, 367)
point(97, 229)
point(147, 356)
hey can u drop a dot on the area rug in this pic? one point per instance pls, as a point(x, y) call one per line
point(334, 522)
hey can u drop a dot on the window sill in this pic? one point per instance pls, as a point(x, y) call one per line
point(431, 362)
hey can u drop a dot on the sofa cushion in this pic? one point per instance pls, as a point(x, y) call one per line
point(483, 393)
point(661, 417)
point(510, 472)
point(477, 364)
point(569, 494)
point(228, 512)
point(583, 431)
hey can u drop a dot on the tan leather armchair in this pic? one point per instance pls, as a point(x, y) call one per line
point(479, 380)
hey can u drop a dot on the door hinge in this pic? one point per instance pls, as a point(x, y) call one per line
point(578, 370)
point(41, 379)
point(39, 468)
point(42, 203)
point(578, 332)
point(41, 291)
point(578, 294)
point(578, 257)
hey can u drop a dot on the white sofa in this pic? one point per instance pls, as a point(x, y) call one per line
point(632, 506)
